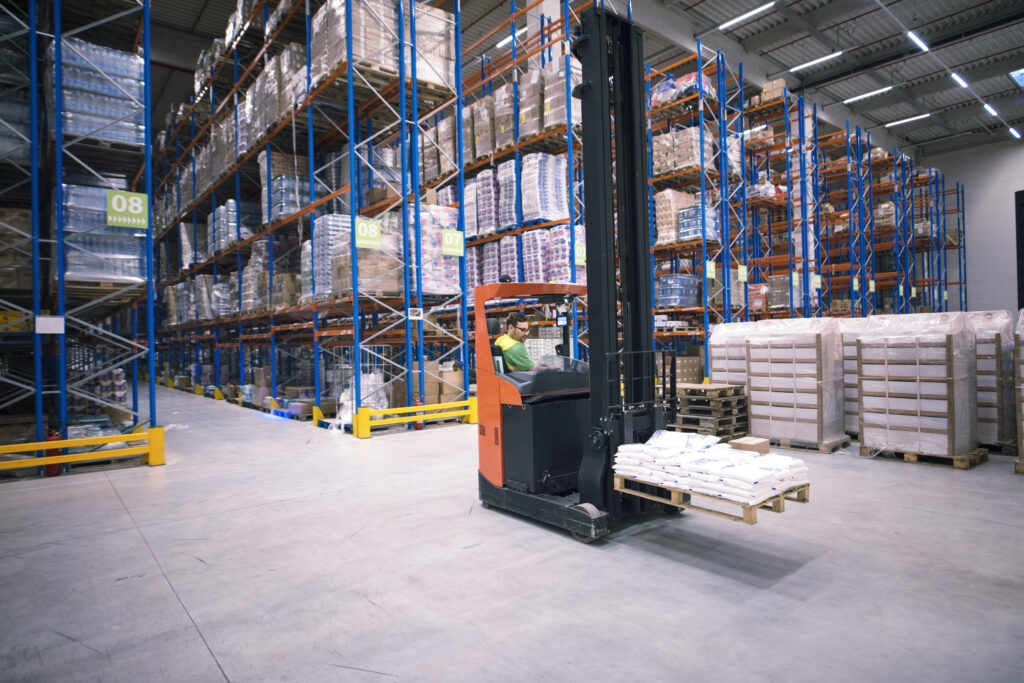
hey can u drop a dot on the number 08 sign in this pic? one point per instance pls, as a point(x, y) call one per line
point(127, 209)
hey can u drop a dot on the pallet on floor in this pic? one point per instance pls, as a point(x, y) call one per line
point(830, 446)
point(959, 462)
point(684, 499)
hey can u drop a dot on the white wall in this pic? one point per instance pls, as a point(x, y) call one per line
point(990, 175)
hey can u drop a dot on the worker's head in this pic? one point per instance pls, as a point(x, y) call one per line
point(517, 326)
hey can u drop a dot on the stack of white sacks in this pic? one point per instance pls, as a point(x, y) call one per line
point(698, 463)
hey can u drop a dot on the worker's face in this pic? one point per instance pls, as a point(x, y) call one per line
point(519, 332)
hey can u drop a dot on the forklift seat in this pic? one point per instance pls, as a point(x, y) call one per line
point(497, 355)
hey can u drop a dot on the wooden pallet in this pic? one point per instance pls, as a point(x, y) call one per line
point(711, 422)
point(824, 447)
point(684, 499)
point(959, 462)
point(709, 391)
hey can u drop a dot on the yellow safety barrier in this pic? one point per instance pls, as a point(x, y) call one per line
point(362, 423)
point(153, 449)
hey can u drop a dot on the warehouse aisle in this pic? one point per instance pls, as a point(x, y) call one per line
point(271, 550)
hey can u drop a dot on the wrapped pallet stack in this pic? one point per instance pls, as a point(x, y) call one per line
point(993, 334)
point(918, 389)
point(794, 379)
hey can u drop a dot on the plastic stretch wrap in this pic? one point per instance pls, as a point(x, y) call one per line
point(483, 127)
point(794, 380)
point(504, 113)
point(850, 330)
point(996, 424)
point(531, 100)
point(918, 389)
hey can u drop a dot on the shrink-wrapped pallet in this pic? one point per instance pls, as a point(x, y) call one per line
point(794, 380)
point(993, 335)
point(918, 388)
point(851, 329)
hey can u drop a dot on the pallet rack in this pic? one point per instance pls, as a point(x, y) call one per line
point(76, 325)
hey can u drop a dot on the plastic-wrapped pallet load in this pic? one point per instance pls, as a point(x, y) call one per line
point(850, 330)
point(504, 121)
point(701, 464)
point(469, 197)
point(487, 202)
point(509, 257)
point(531, 100)
point(918, 390)
point(554, 93)
point(483, 127)
point(667, 205)
point(562, 260)
point(727, 348)
point(508, 188)
point(993, 334)
point(535, 255)
point(795, 381)
point(544, 179)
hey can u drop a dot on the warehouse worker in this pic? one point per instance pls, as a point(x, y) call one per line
point(517, 328)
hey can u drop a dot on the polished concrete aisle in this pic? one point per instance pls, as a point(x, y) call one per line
point(269, 550)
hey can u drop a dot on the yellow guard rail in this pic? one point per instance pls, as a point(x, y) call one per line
point(364, 422)
point(152, 449)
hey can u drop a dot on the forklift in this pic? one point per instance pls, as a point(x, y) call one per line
point(548, 437)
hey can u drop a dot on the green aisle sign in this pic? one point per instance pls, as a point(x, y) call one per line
point(580, 256)
point(127, 209)
point(367, 234)
point(452, 243)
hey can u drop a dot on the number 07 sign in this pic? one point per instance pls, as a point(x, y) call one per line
point(127, 209)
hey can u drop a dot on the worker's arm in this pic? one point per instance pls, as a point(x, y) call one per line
point(516, 357)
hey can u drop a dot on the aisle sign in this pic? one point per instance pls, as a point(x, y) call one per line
point(741, 273)
point(580, 257)
point(367, 233)
point(816, 281)
point(127, 209)
point(452, 243)
point(710, 270)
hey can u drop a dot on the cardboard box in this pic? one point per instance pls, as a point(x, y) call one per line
point(751, 443)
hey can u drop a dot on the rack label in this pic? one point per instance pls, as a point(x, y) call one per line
point(580, 257)
point(452, 243)
point(367, 234)
point(711, 270)
point(741, 273)
point(127, 209)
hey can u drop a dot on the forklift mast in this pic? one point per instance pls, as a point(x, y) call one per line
point(622, 378)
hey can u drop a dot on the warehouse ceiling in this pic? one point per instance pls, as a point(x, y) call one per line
point(980, 40)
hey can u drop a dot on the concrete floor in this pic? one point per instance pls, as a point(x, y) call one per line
point(269, 550)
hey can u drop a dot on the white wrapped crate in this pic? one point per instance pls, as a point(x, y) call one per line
point(918, 389)
point(993, 334)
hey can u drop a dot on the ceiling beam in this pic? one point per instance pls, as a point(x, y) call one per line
point(905, 49)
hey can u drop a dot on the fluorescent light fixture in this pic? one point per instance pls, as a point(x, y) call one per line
point(868, 94)
point(990, 110)
point(902, 121)
point(505, 41)
point(920, 43)
point(961, 82)
point(819, 60)
point(1018, 77)
point(755, 129)
point(746, 15)
point(1014, 133)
